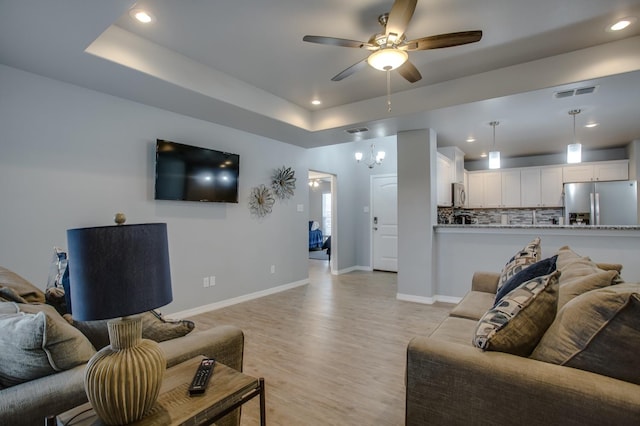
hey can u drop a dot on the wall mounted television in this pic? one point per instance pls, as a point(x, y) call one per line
point(190, 173)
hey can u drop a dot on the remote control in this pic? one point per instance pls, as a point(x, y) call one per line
point(202, 376)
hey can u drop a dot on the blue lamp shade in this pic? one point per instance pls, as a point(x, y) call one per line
point(116, 271)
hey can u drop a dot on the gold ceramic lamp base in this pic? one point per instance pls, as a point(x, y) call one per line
point(123, 380)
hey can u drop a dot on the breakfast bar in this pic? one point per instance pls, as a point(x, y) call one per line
point(463, 249)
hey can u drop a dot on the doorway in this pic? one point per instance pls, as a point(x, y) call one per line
point(323, 218)
point(384, 222)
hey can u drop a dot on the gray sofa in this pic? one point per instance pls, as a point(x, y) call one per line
point(449, 381)
point(29, 403)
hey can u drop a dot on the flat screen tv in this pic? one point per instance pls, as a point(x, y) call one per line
point(190, 173)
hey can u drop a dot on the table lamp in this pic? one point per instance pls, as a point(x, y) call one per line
point(115, 273)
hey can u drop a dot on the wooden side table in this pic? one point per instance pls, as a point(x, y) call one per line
point(227, 390)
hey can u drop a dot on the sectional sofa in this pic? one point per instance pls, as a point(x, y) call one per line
point(43, 356)
point(562, 348)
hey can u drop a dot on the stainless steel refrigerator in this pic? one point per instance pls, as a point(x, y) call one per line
point(601, 203)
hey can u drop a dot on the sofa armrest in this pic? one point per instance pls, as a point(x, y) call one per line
point(486, 282)
point(225, 343)
point(30, 402)
point(453, 384)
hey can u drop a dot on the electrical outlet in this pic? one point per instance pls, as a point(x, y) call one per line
point(205, 282)
point(273, 269)
point(212, 280)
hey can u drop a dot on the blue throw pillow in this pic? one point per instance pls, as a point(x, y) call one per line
point(538, 269)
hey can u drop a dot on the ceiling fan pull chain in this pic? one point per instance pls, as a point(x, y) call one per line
point(389, 90)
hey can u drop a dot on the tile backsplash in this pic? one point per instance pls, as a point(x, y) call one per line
point(523, 216)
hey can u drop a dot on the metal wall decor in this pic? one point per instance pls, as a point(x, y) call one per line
point(283, 182)
point(261, 201)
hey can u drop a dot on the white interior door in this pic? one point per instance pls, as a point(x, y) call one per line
point(384, 222)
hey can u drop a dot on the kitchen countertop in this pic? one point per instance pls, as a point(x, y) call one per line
point(540, 226)
point(625, 231)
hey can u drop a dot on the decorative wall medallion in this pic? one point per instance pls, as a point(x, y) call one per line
point(283, 182)
point(261, 201)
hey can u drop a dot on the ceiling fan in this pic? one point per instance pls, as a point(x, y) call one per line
point(389, 48)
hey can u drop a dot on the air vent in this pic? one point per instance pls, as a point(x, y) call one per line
point(357, 130)
point(575, 92)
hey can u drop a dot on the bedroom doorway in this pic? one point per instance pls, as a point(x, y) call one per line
point(322, 219)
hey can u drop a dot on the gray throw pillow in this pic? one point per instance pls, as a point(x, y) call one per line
point(36, 341)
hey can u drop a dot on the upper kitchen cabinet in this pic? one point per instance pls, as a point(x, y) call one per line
point(510, 182)
point(485, 189)
point(600, 171)
point(444, 172)
point(541, 186)
point(456, 156)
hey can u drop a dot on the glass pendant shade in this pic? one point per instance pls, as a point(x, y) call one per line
point(494, 160)
point(574, 153)
point(387, 59)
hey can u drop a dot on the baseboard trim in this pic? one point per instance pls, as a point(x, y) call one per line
point(428, 300)
point(233, 301)
point(354, 268)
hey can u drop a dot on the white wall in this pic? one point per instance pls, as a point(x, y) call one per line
point(71, 157)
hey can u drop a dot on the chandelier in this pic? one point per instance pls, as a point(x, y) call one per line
point(374, 158)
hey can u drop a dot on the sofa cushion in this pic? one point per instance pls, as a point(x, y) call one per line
point(598, 331)
point(456, 330)
point(529, 255)
point(154, 327)
point(36, 341)
point(473, 305)
point(575, 286)
point(543, 267)
point(516, 324)
point(22, 287)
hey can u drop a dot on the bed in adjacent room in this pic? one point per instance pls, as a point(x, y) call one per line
point(315, 235)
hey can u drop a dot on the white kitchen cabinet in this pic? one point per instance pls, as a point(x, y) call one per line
point(601, 171)
point(485, 189)
point(475, 190)
point(510, 183)
point(541, 186)
point(551, 187)
point(611, 170)
point(530, 186)
point(456, 156)
point(443, 180)
point(493, 189)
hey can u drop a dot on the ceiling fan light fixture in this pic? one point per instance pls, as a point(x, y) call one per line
point(387, 58)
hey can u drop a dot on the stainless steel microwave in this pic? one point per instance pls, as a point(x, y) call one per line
point(458, 195)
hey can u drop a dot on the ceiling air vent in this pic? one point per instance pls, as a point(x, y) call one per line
point(575, 92)
point(357, 130)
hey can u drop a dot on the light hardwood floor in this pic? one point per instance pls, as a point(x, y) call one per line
point(332, 352)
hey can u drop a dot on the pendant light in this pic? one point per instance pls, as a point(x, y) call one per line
point(494, 156)
point(574, 150)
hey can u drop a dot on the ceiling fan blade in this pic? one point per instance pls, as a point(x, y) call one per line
point(339, 42)
point(351, 70)
point(444, 40)
point(399, 17)
point(409, 72)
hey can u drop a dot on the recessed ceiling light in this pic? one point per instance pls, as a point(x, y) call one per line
point(141, 16)
point(591, 125)
point(483, 155)
point(623, 23)
point(471, 140)
point(316, 102)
